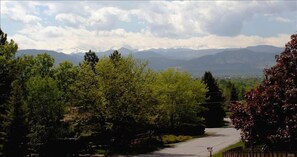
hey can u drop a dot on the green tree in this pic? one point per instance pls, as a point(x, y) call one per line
point(3, 37)
point(269, 114)
point(179, 100)
point(43, 65)
point(65, 75)
point(7, 76)
point(116, 100)
point(115, 56)
point(46, 108)
point(91, 58)
point(86, 101)
point(16, 124)
point(234, 94)
point(127, 98)
point(214, 115)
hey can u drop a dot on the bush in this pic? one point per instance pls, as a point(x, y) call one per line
point(167, 139)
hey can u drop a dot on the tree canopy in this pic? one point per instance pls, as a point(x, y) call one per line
point(269, 115)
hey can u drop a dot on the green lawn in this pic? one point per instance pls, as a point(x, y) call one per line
point(220, 153)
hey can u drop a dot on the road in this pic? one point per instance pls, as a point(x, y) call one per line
point(218, 138)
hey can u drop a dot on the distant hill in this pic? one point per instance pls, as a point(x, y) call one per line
point(265, 48)
point(157, 61)
point(185, 54)
point(248, 61)
point(58, 56)
point(241, 62)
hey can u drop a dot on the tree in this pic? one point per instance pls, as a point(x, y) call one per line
point(3, 37)
point(234, 94)
point(46, 109)
point(7, 65)
point(86, 101)
point(115, 56)
point(65, 75)
point(179, 97)
point(127, 97)
point(7, 76)
point(214, 115)
point(269, 114)
point(115, 102)
point(43, 65)
point(91, 58)
point(16, 124)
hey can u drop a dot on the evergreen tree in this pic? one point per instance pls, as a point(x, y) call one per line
point(234, 94)
point(3, 37)
point(7, 76)
point(214, 115)
point(115, 56)
point(91, 58)
point(16, 124)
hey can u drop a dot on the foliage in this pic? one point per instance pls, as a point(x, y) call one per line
point(16, 124)
point(7, 76)
point(127, 99)
point(115, 98)
point(46, 108)
point(86, 101)
point(113, 101)
point(3, 37)
point(234, 94)
point(215, 113)
point(7, 68)
point(179, 100)
point(91, 58)
point(43, 64)
point(168, 139)
point(269, 114)
point(65, 75)
point(242, 85)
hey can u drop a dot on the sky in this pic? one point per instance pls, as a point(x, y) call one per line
point(78, 26)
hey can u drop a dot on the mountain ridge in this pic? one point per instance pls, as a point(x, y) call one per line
point(249, 61)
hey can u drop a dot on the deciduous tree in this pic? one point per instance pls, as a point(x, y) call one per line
point(269, 115)
point(179, 100)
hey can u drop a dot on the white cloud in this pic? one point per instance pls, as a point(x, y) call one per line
point(70, 19)
point(165, 24)
point(69, 39)
point(283, 20)
point(20, 12)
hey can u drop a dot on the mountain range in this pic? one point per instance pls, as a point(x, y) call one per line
point(249, 61)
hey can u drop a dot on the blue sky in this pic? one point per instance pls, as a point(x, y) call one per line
point(73, 26)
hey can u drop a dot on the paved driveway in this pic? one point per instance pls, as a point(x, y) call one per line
point(219, 138)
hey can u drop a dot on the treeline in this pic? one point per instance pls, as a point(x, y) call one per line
point(113, 101)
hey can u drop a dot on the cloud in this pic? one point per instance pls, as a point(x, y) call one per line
point(70, 19)
point(177, 19)
point(227, 18)
point(70, 39)
point(283, 20)
point(20, 12)
point(72, 25)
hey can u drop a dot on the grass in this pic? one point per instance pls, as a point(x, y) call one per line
point(168, 139)
point(220, 153)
